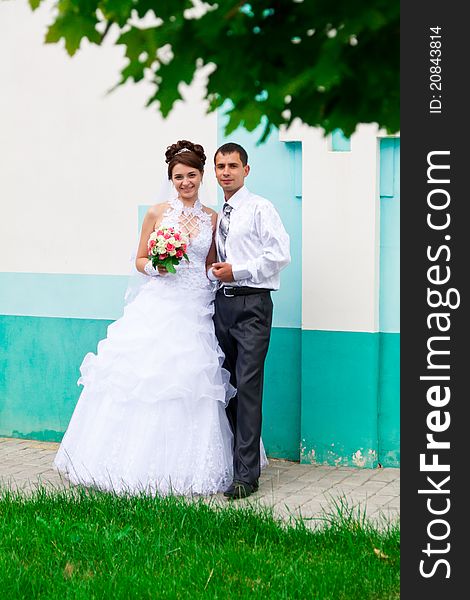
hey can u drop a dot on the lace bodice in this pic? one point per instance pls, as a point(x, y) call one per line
point(196, 223)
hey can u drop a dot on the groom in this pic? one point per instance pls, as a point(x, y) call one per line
point(252, 247)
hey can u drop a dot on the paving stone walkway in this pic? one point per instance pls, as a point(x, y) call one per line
point(293, 490)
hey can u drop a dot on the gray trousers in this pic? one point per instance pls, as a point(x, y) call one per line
point(243, 328)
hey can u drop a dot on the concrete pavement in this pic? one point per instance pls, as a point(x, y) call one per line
point(292, 489)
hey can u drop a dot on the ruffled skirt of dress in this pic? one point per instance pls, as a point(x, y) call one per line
point(151, 416)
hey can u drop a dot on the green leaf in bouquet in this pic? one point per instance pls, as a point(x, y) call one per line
point(168, 264)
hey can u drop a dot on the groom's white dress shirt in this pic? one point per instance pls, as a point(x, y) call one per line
point(257, 245)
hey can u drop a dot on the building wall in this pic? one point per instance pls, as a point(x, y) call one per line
point(276, 173)
point(77, 166)
point(389, 304)
point(332, 375)
point(350, 291)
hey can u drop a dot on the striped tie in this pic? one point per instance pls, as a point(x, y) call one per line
point(223, 230)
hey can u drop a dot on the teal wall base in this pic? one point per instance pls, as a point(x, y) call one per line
point(389, 400)
point(342, 407)
point(339, 398)
point(349, 391)
point(40, 359)
point(281, 401)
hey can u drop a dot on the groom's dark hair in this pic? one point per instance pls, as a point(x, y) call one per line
point(230, 147)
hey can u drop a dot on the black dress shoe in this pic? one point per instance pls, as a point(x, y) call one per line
point(240, 489)
point(230, 491)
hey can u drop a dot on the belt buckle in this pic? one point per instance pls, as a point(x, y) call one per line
point(228, 295)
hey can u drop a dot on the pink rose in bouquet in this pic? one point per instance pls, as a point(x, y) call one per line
point(167, 247)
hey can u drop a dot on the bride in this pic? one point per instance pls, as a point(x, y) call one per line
point(151, 416)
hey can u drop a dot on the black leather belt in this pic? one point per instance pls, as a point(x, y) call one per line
point(232, 291)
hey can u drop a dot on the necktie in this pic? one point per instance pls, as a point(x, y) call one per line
point(223, 230)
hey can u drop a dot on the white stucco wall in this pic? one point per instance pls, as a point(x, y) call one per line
point(340, 231)
point(74, 162)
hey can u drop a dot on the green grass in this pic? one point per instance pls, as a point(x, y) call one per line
point(84, 544)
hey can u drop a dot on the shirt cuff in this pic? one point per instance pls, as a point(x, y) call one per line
point(210, 275)
point(240, 272)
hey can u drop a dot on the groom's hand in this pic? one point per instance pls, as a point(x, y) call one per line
point(223, 271)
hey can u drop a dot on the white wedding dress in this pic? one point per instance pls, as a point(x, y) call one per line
point(151, 416)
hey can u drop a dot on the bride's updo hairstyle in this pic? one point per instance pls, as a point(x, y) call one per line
point(185, 153)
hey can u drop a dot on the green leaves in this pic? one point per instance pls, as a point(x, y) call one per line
point(169, 262)
point(152, 49)
point(73, 24)
point(168, 80)
point(332, 65)
point(35, 4)
point(117, 11)
point(141, 49)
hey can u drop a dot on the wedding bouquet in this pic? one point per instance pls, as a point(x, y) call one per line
point(167, 247)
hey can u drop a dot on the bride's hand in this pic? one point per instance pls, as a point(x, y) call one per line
point(162, 270)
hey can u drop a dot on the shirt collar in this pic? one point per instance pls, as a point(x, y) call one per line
point(238, 197)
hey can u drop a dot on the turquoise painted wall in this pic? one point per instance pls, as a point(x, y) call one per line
point(389, 307)
point(60, 295)
point(48, 322)
point(40, 359)
point(282, 388)
point(39, 367)
point(339, 398)
point(351, 380)
point(276, 174)
point(339, 142)
point(389, 400)
point(335, 394)
point(350, 398)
